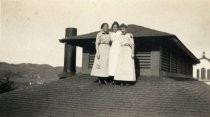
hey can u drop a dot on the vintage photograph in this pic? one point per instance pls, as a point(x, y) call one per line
point(105, 58)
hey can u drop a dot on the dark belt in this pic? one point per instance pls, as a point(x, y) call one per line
point(126, 45)
point(105, 43)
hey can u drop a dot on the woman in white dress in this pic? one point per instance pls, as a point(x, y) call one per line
point(102, 44)
point(115, 49)
point(125, 72)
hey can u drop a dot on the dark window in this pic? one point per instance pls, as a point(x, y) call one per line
point(165, 58)
point(173, 62)
point(198, 73)
point(143, 59)
point(208, 74)
point(91, 60)
point(203, 73)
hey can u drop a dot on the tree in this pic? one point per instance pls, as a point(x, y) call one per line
point(5, 83)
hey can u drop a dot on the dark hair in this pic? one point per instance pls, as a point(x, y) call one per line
point(123, 25)
point(102, 25)
point(115, 23)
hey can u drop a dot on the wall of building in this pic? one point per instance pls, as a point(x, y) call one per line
point(147, 58)
point(152, 58)
point(202, 71)
point(174, 62)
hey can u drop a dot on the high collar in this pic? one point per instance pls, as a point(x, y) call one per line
point(123, 33)
point(116, 31)
point(103, 32)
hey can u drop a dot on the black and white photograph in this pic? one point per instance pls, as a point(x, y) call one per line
point(105, 58)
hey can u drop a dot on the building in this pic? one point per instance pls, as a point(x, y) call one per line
point(157, 54)
point(79, 96)
point(201, 71)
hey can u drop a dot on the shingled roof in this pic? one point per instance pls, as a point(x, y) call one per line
point(137, 31)
point(79, 96)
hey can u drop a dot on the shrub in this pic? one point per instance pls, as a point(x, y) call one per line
point(5, 83)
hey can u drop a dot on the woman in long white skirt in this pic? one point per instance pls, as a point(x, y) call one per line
point(115, 49)
point(100, 65)
point(125, 71)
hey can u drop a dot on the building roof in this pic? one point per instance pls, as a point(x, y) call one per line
point(79, 96)
point(139, 32)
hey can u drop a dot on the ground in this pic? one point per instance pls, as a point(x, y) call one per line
point(80, 96)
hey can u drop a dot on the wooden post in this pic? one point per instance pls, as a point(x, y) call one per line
point(155, 60)
point(69, 55)
point(155, 63)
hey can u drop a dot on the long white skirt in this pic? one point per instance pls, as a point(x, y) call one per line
point(125, 68)
point(100, 66)
point(113, 57)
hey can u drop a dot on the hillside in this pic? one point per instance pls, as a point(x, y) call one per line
point(27, 74)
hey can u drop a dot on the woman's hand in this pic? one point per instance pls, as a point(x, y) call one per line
point(127, 44)
point(132, 56)
point(98, 56)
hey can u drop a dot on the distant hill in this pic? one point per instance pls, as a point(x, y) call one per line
point(27, 74)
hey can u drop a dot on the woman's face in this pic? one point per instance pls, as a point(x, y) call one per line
point(115, 28)
point(124, 30)
point(105, 28)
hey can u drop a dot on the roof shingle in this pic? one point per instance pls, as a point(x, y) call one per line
point(79, 96)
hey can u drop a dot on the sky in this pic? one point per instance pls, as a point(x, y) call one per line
point(30, 29)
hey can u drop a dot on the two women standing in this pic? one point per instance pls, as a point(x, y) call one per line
point(114, 55)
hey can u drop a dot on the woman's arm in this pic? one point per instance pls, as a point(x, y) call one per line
point(132, 46)
point(97, 45)
point(111, 37)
